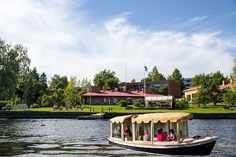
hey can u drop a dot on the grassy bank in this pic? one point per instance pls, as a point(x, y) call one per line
point(209, 108)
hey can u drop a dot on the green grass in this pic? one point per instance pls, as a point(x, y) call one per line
point(209, 108)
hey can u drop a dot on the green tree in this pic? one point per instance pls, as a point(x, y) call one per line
point(209, 88)
point(13, 62)
point(198, 79)
point(230, 97)
point(58, 85)
point(34, 87)
point(72, 96)
point(106, 79)
point(177, 76)
point(133, 81)
point(154, 75)
point(85, 85)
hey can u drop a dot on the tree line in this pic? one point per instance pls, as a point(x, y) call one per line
point(21, 84)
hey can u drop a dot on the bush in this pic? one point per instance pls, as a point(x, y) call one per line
point(137, 104)
point(123, 103)
point(181, 105)
point(35, 105)
point(9, 106)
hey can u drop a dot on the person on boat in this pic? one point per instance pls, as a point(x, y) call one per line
point(160, 135)
point(171, 136)
point(127, 132)
point(146, 136)
point(117, 132)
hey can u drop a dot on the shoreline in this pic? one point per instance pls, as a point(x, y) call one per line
point(107, 115)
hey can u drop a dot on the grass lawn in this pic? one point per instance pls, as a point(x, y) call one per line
point(209, 108)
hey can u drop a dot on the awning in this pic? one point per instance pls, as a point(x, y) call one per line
point(120, 119)
point(162, 117)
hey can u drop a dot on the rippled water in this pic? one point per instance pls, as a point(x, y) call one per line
point(68, 137)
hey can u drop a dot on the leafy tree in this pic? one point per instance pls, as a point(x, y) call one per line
point(209, 88)
point(163, 90)
point(133, 81)
point(198, 79)
point(177, 76)
point(106, 79)
point(85, 85)
point(230, 97)
point(154, 75)
point(34, 87)
point(13, 62)
point(111, 83)
point(71, 95)
point(58, 82)
point(58, 85)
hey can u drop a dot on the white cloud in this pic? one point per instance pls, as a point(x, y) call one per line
point(62, 41)
point(198, 18)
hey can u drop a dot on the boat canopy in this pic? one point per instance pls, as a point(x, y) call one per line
point(120, 119)
point(161, 117)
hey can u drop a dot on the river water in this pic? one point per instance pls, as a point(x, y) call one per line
point(71, 138)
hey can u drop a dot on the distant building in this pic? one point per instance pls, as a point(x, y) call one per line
point(113, 98)
point(230, 85)
point(174, 88)
point(190, 93)
point(187, 83)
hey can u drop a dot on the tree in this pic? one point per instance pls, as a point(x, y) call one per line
point(106, 79)
point(133, 81)
point(58, 82)
point(198, 79)
point(177, 76)
point(154, 75)
point(111, 83)
point(230, 97)
point(71, 95)
point(209, 87)
point(34, 87)
point(58, 85)
point(13, 62)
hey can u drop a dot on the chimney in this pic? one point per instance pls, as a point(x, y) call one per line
point(223, 82)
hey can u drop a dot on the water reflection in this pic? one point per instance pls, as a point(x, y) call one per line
point(67, 137)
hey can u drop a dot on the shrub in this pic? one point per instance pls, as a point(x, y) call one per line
point(137, 104)
point(9, 107)
point(181, 105)
point(123, 103)
point(34, 105)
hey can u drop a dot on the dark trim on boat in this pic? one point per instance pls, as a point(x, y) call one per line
point(198, 149)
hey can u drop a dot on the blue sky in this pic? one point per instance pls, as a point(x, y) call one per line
point(166, 14)
point(82, 37)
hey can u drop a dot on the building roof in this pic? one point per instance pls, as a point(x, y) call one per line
point(109, 93)
point(195, 88)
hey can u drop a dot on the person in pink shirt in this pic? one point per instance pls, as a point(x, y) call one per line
point(160, 135)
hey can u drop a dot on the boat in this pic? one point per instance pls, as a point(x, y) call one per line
point(92, 116)
point(183, 144)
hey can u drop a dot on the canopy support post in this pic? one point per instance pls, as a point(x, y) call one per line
point(133, 131)
point(186, 128)
point(178, 132)
point(122, 131)
point(168, 126)
point(152, 132)
point(111, 129)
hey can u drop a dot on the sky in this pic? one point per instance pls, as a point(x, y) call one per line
point(82, 37)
